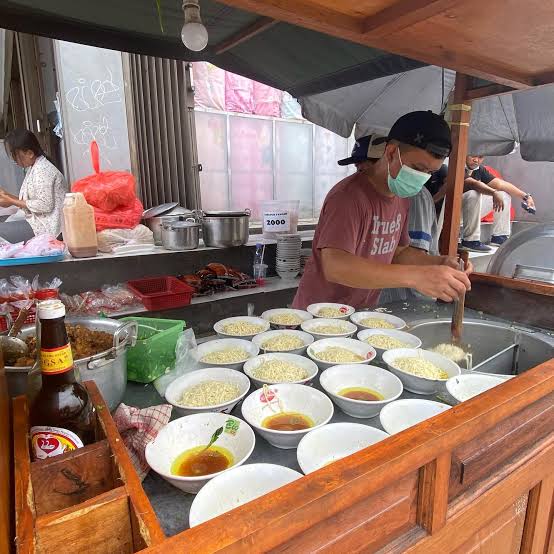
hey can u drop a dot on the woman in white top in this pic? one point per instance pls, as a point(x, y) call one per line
point(43, 190)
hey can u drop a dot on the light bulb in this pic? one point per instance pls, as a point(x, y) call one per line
point(194, 36)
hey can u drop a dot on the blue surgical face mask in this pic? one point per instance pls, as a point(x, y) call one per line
point(408, 182)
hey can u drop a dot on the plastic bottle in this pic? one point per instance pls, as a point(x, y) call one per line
point(79, 227)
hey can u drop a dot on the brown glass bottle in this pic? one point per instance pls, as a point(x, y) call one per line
point(62, 416)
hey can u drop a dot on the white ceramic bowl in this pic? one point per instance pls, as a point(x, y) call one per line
point(464, 387)
point(305, 363)
point(236, 487)
point(306, 338)
point(333, 442)
point(220, 325)
point(301, 314)
point(401, 414)
point(196, 430)
point(175, 389)
point(360, 348)
point(411, 340)
point(392, 319)
point(312, 325)
point(421, 385)
point(344, 308)
point(340, 377)
point(223, 344)
point(293, 398)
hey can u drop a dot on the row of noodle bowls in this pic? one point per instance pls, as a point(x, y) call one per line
point(316, 446)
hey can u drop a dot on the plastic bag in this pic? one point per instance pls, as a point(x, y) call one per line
point(185, 361)
point(9, 250)
point(112, 238)
point(106, 190)
point(42, 245)
point(121, 218)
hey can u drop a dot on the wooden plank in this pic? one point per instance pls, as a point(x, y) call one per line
point(463, 524)
point(433, 493)
point(70, 479)
point(526, 302)
point(147, 523)
point(367, 525)
point(24, 499)
point(403, 14)
point(484, 455)
point(292, 510)
point(6, 498)
point(539, 520)
point(500, 535)
point(99, 525)
point(486, 91)
point(456, 173)
point(259, 26)
point(535, 287)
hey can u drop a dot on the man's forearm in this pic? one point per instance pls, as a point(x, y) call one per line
point(504, 186)
point(353, 271)
point(474, 184)
point(415, 256)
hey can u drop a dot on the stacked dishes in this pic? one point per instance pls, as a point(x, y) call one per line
point(288, 256)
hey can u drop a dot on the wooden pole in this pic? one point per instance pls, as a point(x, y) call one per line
point(461, 115)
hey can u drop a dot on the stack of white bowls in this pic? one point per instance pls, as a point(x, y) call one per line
point(288, 256)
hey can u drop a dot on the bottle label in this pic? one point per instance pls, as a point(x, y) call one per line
point(47, 442)
point(56, 360)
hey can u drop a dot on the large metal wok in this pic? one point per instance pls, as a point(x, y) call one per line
point(107, 369)
point(497, 348)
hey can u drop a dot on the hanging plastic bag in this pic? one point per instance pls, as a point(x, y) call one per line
point(185, 361)
point(112, 194)
point(106, 190)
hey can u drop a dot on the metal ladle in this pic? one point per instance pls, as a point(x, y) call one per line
point(12, 347)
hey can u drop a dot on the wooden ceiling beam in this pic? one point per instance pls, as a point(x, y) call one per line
point(319, 18)
point(259, 26)
point(404, 14)
point(487, 90)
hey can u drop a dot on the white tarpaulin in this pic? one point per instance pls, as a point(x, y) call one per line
point(497, 122)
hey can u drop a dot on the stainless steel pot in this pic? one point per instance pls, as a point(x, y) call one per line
point(154, 223)
point(225, 229)
point(180, 235)
point(107, 369)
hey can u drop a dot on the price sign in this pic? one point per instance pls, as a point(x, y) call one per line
point(276, 221)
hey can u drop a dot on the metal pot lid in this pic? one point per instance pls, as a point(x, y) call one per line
point(159, 210)
point(236, 213)
point(180, 224)
point(531, 247)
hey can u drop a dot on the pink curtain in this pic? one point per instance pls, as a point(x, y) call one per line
point(239, 93)
point(267, 100)
point(209, 86)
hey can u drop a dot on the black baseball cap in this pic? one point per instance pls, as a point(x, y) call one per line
point(370, 147)
point(425, 130)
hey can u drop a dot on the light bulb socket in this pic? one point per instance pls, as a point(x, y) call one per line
point(191, 11)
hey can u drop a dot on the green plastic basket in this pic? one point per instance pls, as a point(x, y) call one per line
point(154, 353)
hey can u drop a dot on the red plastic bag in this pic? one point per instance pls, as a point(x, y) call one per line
point(112, 195)
point(106, 190)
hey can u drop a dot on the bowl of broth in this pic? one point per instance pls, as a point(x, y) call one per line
point(282, 414)
point(360, 390)
point(180, 455)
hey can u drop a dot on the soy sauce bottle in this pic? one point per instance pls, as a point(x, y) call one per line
point(61, 415)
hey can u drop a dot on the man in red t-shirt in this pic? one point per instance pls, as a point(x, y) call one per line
point(361, 244)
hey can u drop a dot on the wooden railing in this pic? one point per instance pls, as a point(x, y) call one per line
point(480, 473)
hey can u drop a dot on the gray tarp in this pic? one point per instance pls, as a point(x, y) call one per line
point(497, 123)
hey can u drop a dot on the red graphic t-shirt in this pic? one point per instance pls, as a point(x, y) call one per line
point(359, 220)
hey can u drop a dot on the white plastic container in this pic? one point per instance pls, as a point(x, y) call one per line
point(79, 232)
point(279, 216)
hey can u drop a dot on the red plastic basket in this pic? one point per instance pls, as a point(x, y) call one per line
point(162, 293)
